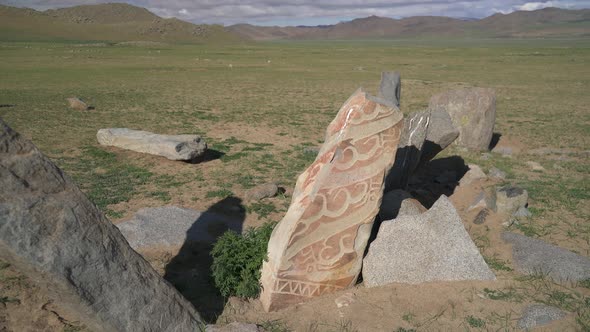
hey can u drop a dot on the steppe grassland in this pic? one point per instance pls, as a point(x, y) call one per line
point(260, 105)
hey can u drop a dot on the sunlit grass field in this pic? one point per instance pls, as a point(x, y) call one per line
point(260, 105)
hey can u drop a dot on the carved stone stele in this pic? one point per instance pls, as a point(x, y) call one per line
point(318, 246)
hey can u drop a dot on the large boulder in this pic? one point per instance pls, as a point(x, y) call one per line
point(473, 112)
point(390, 87)
point(173, 147)
point(318, 246)
point(51, 232)
point(534, 256)
point(432, 246)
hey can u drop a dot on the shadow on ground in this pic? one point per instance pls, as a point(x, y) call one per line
point(190, 270)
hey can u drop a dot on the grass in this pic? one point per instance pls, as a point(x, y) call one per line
point(260, 117)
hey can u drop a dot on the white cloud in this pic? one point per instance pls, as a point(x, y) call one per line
point(183, 12)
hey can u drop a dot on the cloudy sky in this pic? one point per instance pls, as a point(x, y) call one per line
point(312, 12)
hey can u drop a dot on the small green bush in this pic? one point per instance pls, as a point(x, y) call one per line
point(237, 260)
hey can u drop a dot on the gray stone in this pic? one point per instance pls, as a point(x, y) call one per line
point(77, 104)
point(173, 147)
point(399, 203)
point(509, 199)
point(522, 212)
point(262, 191)
point(481, 216)
point(391, 87)
point(503, 150)
point(172, 226)
point(473, 111)
point(52, 233)
point(496, 173)
point(474, 173)
point(232, 327)
point(536, 315)
point(535, 166)
point(432, 246)
point(534, 256)
point(441, 133)
point(408, 152)
point(485, 199)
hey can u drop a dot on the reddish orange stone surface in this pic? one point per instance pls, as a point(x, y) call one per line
point(318, 246)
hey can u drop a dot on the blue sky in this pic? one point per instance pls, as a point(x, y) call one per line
point(312, 12)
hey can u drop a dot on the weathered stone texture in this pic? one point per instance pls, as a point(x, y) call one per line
point(173, 147)
point(432, 246)
point(390, 87)
point(473, 112)
point(51, 232)
point(319, 244)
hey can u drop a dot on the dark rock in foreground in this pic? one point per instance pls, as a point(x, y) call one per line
point(51, 232)
point(534, 256)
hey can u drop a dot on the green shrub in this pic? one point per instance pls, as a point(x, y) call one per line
point(237, 260)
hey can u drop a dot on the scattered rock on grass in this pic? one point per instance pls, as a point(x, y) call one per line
point(536, 315)
point(77, 104)
point(173, 147)
point(496, 173)
point(473, 111)
point(535, 166)
point(509, 199)
point(432, 246)
point(262, 191)
point(534, 256)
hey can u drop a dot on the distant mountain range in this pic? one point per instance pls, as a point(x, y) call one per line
point(123, 22)
point(104, 22)
point(548, 22)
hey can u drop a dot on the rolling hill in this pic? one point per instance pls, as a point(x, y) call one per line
point(123, 22)
point(105, 22)
point(548, 22)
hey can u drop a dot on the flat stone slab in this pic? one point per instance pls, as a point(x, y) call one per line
point(534, 256)
point(172, 226)
point(173, 147)
point(538, 315)
point(432, 246)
